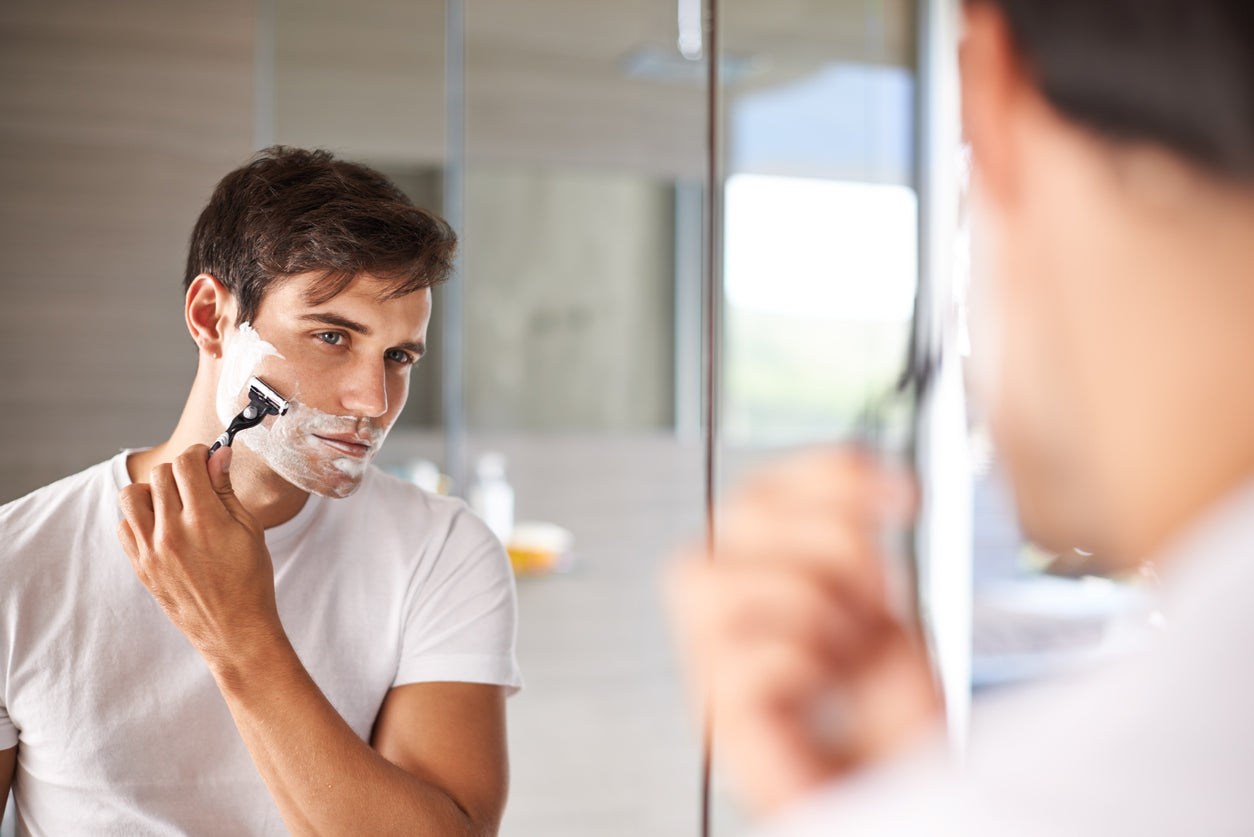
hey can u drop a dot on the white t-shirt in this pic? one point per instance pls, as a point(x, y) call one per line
point(119, 725)
point(1158, 744)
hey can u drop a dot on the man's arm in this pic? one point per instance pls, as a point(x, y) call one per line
point(788, 634)
point(455, 731)
point(439, 767)
point(8, 765)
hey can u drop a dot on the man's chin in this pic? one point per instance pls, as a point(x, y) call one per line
point(309, 469)
point(337, 491)
point(330, 482)
point(325, 481)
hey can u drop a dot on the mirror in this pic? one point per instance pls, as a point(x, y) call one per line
point(577, 165)
point(574, 186)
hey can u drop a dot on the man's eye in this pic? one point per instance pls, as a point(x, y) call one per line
point(330, 337)
point(399, 356)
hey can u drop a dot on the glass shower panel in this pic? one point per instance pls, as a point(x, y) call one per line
point(820, 243)
point(584, 147)
point(819, 236)
point(365, 80)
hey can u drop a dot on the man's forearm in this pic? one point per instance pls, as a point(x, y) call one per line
point(8, 764)
point(203, 557)
point(322, 776)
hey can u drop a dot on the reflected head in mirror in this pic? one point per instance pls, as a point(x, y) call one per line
point(313, 274)
point(1113, 153)
point(293, 211)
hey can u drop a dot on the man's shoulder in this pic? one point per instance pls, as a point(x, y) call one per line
point(381, 489)
point(65, 503)
point(75, 488)
point(389, 504)
point(46, 533)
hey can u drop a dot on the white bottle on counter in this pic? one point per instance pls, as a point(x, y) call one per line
point(492, 497)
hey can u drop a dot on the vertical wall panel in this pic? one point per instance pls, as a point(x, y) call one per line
point(117, 120)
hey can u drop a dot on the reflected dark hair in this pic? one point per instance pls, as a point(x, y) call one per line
point(290, 211)
point(1176, 73)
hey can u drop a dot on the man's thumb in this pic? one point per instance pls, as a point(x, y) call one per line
point(220, 479)
point(220, 474)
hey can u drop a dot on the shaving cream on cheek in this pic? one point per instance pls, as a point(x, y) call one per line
point(243, 351)
point(292, 448)
point(290, 445)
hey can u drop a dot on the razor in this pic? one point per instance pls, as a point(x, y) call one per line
point(262, 401)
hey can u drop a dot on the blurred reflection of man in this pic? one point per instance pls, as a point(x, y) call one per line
point(271, 658)
point(1113, 148)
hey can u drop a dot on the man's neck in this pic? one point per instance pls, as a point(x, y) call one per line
point(266, 495)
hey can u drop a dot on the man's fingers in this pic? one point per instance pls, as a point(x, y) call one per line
point(220, 471)
point(841, 478)
point(167, 504)
point(844, 551)
point(193, 476)
point(824, 510)
point(728, 610)
point(126, 536)
point(136, 503)
point(762, 605)
point(770, 649)
point(220, 477)
point(787, 631)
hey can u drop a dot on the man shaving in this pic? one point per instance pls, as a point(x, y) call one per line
point(1112, 147)
point(278, 637)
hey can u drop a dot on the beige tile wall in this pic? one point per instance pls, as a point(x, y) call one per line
point(116, 120)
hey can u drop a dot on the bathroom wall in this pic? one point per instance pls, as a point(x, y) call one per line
point(118, 119)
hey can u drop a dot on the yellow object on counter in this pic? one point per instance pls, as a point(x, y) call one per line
point(540, 548)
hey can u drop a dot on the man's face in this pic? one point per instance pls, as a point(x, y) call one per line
point(344, 368)
point(1053, 330)
point(1026, 364)
point(1111, 295)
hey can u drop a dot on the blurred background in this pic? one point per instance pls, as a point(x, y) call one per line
point(603, 192)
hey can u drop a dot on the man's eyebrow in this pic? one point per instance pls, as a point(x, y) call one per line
point(327, 318)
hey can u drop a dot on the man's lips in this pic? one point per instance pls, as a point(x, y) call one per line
point(350, 445)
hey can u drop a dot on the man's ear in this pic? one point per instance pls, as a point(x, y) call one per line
point(210, 310)
point(994, 83)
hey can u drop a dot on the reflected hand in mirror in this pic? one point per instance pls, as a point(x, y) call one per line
point(788, 633)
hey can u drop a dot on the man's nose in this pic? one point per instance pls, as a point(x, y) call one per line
point(363, 391)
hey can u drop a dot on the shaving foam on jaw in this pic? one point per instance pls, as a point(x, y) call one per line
point(290, 445)
point(292, 449)
point(243, 351)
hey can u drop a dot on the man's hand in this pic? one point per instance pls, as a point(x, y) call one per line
point(204, 559)
point(788, 634)
point(201, 554)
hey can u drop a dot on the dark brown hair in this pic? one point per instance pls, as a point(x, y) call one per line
point(290, 211)
point(1175, 73)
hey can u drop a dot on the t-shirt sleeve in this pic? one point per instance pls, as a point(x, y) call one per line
point(461, 619)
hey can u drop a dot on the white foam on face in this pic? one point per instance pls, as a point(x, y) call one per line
point(290, 444)
point(242, 352)
point(293, 449)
